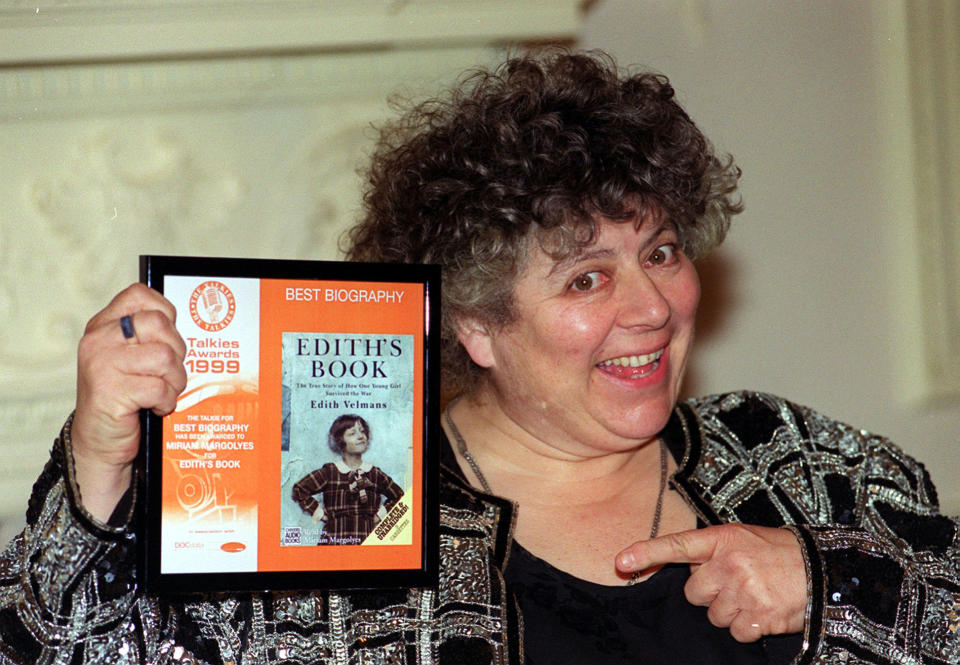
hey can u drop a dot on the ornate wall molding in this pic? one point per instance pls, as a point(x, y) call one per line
point(72, 90)
point(71, 30)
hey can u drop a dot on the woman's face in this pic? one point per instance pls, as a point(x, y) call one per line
point(595, 358)
point(355, 440)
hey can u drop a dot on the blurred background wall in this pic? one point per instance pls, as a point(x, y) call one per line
point(839, 286)
point(235, 128)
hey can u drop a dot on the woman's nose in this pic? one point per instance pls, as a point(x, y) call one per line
point(642, 302)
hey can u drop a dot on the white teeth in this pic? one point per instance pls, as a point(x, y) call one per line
point(634, 361)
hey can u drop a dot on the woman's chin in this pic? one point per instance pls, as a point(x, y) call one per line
point(636, 417)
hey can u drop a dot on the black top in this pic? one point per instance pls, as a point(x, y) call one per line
point(568, 620)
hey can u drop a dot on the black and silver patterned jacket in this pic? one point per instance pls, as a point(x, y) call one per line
point(884, 566)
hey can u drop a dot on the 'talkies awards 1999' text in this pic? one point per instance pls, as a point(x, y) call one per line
point(213, 355)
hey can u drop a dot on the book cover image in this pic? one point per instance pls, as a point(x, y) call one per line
point(347, 439)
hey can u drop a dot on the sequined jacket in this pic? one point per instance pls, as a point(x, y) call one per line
point(883, 565)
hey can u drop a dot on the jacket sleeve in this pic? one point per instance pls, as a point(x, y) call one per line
point(884, 566)
point(67, 592)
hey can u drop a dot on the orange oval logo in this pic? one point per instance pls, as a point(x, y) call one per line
point(212, 306)
point(233, 547)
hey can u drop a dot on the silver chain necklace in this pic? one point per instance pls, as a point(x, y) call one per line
point(657, 511)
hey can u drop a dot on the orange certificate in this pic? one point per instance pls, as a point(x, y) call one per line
point(301, 452)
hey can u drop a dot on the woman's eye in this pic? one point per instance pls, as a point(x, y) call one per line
point(587, 281)
point(663, 255)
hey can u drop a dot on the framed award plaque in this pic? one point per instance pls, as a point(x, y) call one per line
point(302, 453)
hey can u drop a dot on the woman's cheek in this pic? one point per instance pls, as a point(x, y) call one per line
point(575, 329)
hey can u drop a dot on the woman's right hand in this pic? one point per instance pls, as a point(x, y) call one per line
point(116, 378)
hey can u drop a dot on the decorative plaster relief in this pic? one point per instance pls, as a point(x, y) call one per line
point(157, 190)
point(245, 157)
point(112, 190)
point(236, 184)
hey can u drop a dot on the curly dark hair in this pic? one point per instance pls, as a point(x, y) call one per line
point(340, 425)
point(535, 150)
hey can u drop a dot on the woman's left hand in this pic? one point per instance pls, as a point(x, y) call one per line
point(752, 579)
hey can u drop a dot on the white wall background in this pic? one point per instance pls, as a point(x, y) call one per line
point(815, 294)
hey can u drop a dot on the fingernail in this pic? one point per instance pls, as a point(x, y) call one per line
point(627, 560)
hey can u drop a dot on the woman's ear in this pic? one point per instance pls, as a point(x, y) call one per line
point(477, 341)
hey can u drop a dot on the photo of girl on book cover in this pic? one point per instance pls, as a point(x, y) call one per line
point(346, 438)
point(356, 495)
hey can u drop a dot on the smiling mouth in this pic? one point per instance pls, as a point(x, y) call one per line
point(632, 367)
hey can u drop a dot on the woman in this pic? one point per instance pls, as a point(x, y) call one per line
point(565, 201)
point(351, 488)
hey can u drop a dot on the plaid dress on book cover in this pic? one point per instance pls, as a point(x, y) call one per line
point(351, 500)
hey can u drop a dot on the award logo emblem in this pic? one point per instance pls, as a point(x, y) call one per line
point(212, 306)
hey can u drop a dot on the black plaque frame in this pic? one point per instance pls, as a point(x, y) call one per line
point(149, 469)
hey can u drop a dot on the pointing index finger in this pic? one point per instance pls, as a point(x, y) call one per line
point(695, 546)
